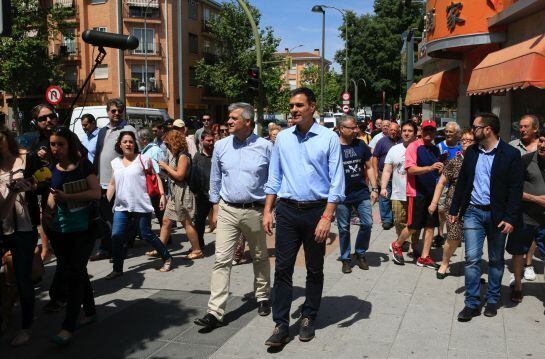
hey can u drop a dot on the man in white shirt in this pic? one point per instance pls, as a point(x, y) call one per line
point(378, 137)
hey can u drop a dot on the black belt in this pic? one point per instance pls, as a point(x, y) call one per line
point(486, 208)
point(245, 205)
point(304, 204)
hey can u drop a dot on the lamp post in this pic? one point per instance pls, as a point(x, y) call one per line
point(355, 82)
point(318, 8)
point(287, 58)
point(146, 52)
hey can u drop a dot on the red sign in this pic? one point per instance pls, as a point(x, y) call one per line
point(346, 109)
point(345, 96)
point(53, 95)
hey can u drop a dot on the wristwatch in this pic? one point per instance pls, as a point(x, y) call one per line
point(375, 189)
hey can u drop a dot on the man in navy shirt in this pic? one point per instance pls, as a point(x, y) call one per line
point(356, 159)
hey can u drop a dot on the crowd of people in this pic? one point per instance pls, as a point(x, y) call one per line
point(87, 199)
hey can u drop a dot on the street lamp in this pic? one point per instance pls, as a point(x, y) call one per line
point(343, 13)
point(318, 8)
point(146, 52)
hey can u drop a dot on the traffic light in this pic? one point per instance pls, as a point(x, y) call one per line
point(253, 80)
point(5, 18)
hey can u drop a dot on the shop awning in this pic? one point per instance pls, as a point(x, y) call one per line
point(514, 67)
point(442, 86)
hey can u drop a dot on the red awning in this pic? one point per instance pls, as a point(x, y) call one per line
point(442, 86)
point(514, 67)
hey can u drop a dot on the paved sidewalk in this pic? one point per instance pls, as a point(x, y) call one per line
point(389, 311)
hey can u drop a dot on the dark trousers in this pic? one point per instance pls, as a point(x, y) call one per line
point(22, 246)
point(73, 251)
point(295, 227)
point(106, 212)
point(202, 209)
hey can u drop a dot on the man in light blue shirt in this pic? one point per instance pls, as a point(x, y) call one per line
point(240, 167)
point(89, 139)
point(307, 176)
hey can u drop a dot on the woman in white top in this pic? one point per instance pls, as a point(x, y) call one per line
point(128, 183)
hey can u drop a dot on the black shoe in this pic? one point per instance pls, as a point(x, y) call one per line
point(100, 255)
point(306, 331)
point(438, 241)
point(53, 306)
point(209, 321)
point(362, 262)
point(346, 267)
point(387, 226)
point(279, 337)
point(490, 310)
point(468, 313)
point(264, 308)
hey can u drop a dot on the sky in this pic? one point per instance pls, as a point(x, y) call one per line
point(295, 24)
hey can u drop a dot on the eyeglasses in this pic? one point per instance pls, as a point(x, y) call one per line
point(464, 140)
point(50, 116)
point(352, 128)
point(475, 128)
point(115, 110)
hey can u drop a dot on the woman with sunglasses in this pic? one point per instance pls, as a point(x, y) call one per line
point(74, 185)
point(128, 183)
point(181, 201)
point(455, 231)
point(20, 215)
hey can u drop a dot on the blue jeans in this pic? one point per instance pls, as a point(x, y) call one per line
point(120, 236)
point(478, 225)
point(364, 233)
point(385, 206)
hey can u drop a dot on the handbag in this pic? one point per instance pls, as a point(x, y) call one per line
point(152, 180)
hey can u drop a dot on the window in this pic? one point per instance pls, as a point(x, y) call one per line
point(149, 38)
point(140, 11)
point(206, 14)
point(293, 84)
point(71, 78)
point(97, 2)
point(193, 9)
point(70, 43)
point(193, 77)
point(101, 72)
point(138, 78)
point(100, 28)
point(193, 44)
point(206, 47)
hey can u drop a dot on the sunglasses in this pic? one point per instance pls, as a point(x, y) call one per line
point(114, 111)
point(50, 116)
point(224, 129)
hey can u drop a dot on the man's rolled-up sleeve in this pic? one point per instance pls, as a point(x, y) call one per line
point(336, 172)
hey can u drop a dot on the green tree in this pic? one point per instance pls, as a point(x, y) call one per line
point(374, 44)
point(26, 67)
point(310, 77)
point(227, 74)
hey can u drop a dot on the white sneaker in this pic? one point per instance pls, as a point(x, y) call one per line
point(529, 273)
point(512, 280)
point(22, 337)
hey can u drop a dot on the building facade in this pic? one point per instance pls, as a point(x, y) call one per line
point(299, 61)
point(483, 55)
point(151, 70)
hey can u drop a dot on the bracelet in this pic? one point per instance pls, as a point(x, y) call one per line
point(326, 217)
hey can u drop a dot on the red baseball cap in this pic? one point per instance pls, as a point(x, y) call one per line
point(428, 123)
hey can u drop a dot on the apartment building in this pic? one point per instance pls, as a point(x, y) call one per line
point(300, 61)
point(151, 70)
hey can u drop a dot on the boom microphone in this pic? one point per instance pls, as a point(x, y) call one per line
point(108, 39)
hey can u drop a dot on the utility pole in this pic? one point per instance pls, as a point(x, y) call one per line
point(180, 60)
point(121, 58)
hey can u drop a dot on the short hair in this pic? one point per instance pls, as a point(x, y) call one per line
point(455, 125)
point(490, 119)
point(467, 131)
point(206, 133)
point(117, 146)
point(410, 123)
point(347, 118)
point(89, 117)
point(311, 97)
point(247, 110)
point(159, 124)
point(114, 102)
point(541, 132)
point(534, 118)
point(36, 109)
point(206, 114)
point(146, 134)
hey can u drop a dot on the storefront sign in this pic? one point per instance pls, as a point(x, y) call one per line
point(453, 15)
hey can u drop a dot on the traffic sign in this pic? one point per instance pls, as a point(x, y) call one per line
point(345, 96)
point(346, 102)
point(53, 95)
point(346, 109)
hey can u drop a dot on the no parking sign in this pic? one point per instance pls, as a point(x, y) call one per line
point(53, 95)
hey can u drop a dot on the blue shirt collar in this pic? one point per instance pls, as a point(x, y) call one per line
point(93, 134)
point(491, 151)
point(248, 139)
point(314, 130)
point(119, 126)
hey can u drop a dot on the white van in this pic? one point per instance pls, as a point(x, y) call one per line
point(139, 117)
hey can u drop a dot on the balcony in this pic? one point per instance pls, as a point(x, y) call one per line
point(71, 87)
point(155, 54)
point(138, 87)
point(135, 11)
point(68, 50)
point(69, 4)
point(210, 59)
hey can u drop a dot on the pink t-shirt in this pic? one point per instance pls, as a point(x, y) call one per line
point(410, 161)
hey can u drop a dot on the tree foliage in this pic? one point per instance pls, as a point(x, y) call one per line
point(374, 44)
point(227, 73)
point(26, 67)
point(310, 77)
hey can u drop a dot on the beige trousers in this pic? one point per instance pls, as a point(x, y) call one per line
point(231, 223)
